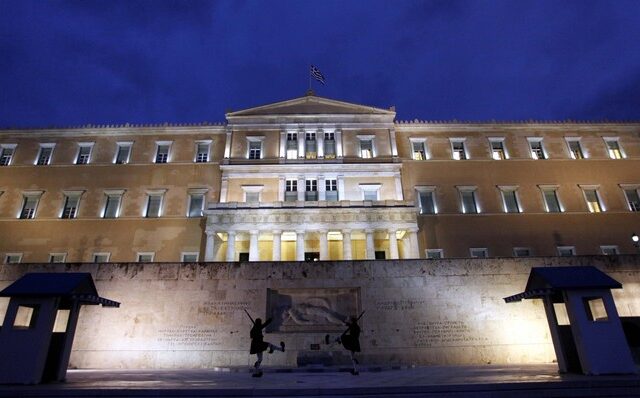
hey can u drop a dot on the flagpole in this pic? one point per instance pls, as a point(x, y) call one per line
point(309, 71)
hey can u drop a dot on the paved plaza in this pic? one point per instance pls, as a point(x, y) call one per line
point(476, 381)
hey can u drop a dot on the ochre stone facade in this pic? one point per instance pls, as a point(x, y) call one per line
point(315, 152)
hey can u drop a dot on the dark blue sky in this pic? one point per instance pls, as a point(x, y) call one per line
point(78, 62)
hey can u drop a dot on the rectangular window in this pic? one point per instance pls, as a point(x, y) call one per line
point(329, 146)
point(370, 195)
point(146, 257)
point(196, 204)
point(255, 150)
point(70, 208)
point(44, 155)
point(633, 198)
point(26, 317)
point(191, 257)
point(310, 146)
point(101, 257)
point(595, 308)
point(497, 149)
point(613, 148)
point(154, 205)
point(57, 257)
point(29, 206)
point(593, 200)
point(162, 152)
point(426, 200)
point(418, 150)
point(537, 149)
point(435, 254)
point(566, 251)
point(123, 152)
point(291, 191)
point(575, 149)
point(202, 152)
point(609, 250)
point(366, 148)
point(252, 197)
point(522, 252)
point(292, 145)
point(509, 200)
point(479, 252)
point(13, 258)
point(551, 202)
point(311, 190)
point(331, 190)
point(458, 150)
point(84, 153)
point(370, 191)
point(112, 205)
point(469, 204)
point(6, 154)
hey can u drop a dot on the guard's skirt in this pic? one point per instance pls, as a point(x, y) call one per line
point(351, 343)
point(258, 346)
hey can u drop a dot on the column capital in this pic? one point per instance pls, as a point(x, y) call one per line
point(323, 231)
point(276, 232)
point(369, 231)
point(254, 232)
point(392, 230)
point(231, 233)
point(346, 231)
point(300, 231)
point(413, 230)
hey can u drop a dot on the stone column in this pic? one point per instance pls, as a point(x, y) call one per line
point(371, 251)
point(320, 143)
point(283, 145)
point(413, 239)
point(394, 145)
point(210, 248)
point(227, 146)
point(398, 181)
point(224, 185)
point(346, 244)
point(324, 245)
point(393, 245)
point(254, 255)
point(338, 137)
point(301, 138)
point(281, 188)
point(322, 188)
point(231, 246)
point(277, 245)
point(301, 188)
point(299, 245)
point(341, 195)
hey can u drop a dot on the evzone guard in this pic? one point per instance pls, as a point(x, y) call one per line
point(258, 345)
point(350, 340)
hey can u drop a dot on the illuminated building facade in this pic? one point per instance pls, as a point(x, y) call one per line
point(318, 179)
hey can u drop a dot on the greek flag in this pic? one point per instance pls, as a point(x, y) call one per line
point(316, 74)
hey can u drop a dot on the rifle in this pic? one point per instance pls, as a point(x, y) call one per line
point(357, 319)
point(247, 312)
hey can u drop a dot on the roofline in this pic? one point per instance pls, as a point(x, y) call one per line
point(293, 100)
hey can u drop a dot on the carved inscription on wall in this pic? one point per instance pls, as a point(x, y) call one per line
point(189, 337)
point(445, 334)
point(400, 305)
point(221, 308)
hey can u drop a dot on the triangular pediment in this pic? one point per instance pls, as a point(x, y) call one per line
point(311, 105)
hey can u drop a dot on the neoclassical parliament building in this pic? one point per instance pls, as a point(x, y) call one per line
point(312, 179)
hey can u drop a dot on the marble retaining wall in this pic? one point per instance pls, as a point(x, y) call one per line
point(422, 312)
